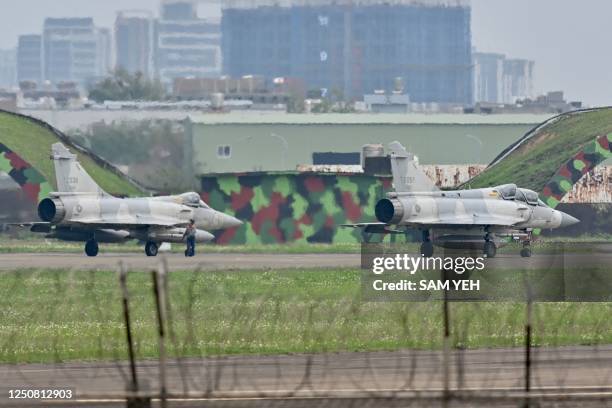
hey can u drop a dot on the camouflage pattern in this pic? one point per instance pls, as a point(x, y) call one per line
point(33, 184)
point(293, 207)
point(81, 210)
point(575, 168)
point(311, 207)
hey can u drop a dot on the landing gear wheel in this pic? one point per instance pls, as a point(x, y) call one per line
point(151, 248)
point(427, 249)
point(91, 247)
point(490, 250)
point(526, 251)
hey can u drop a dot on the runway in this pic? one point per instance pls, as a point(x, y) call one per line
point(202, 261)
point(579, 370)
point(230, 261)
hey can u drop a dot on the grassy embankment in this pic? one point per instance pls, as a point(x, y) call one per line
point(536, 161)
point(33, 143)
point(57, 316)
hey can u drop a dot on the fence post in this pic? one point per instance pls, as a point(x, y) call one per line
point(446, 343)
point(528, 328)
point(159, 277)
point(133, 400)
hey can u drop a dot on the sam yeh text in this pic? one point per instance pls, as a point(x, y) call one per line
point(427, 285)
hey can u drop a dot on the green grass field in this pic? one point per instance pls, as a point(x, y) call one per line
point(48, 315)
point(33, 143)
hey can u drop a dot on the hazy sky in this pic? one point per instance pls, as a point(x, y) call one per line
point(570, 41)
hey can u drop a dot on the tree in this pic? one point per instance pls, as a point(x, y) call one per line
point(151, 149)
point(123, 86)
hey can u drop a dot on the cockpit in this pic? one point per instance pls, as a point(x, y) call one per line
point(193, 199)
point(527, 196)
point(511, 192)
point(507, 191)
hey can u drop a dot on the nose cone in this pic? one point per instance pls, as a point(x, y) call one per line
point(567, 220)
point(227, 221)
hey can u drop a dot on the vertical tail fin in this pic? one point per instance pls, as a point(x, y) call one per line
point(407, 176)
point(70, 176)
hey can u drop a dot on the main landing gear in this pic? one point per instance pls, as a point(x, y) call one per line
point(427, 248)
point(91, 247)
point(490, 250)
point(151, 248)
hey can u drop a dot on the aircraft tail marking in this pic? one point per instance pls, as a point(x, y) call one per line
point(407, 176)
point(71, 177)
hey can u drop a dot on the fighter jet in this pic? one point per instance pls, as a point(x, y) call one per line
point(81, 211)
point(474, 219)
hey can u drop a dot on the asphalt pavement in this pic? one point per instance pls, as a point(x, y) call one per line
point(231, 261)
point(581, 371)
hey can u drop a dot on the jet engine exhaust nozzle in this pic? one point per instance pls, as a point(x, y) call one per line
point(389, 211)
point(51, 210)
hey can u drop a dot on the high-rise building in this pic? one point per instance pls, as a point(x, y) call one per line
point(518, 79)
point(75, 50)
point(8, 68)
point(488, 77)
point(501, 80)
point(104, 53)
point(134, 42)
point(29, 58)
point(354, 47)
point(187, 46)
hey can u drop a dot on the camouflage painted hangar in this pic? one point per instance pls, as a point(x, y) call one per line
point(293, 207)
point(280, 207)
point(306, 206)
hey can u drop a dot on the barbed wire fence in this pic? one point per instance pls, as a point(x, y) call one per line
point(133, 337)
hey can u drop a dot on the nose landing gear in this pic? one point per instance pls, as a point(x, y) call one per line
point(526, 251)
point(427, 248)
point(490, 249)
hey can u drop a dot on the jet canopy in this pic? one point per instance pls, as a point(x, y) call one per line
point(528, 196)
point(193, 199)
point(512, 192)
point(507, 191)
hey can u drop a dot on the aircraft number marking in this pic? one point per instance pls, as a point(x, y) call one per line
point(408, 179)
point(72, 180)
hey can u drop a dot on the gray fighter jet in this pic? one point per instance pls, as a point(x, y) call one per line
point(81, 211)
point(474, 219)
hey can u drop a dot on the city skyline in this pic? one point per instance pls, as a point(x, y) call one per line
point(518, 29)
